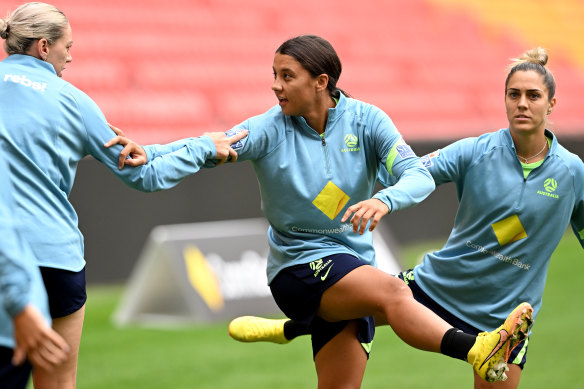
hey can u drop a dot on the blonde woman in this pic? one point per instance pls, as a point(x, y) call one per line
point(48, 126)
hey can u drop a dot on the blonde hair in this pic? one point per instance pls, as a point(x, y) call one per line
point(534, 60)
point(30, 22)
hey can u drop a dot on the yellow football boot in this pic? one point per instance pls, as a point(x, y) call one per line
point(491, 350)
point(258, 329)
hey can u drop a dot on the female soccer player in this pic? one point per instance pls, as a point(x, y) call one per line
point(48, 126)
point(518, 191)
point(317, 155)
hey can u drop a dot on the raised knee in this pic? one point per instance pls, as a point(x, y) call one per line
point(398, 289)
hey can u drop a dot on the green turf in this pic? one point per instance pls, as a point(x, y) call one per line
point(205, 357)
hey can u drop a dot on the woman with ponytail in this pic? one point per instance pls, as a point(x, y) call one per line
point(47, 126)
point(518, 191)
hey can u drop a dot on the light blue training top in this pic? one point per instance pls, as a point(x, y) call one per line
point(307, 182)
point(20, 279)
point(48, 126)
point(506, 228)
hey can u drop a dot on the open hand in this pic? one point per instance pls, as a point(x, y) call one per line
point(363, 212)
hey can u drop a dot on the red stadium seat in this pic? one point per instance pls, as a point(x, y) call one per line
point(437, 68)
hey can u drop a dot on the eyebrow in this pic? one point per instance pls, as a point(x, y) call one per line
point(528, 90)
point(284, 70)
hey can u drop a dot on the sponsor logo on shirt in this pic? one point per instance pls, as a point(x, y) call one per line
point(509, 230)
point(239, 144)
point(550, 185)
point(352, 143)
point(501, 257)
point(405, 151)
point(324, 231)
point(25, 81)
point(331, 200)
point(428, 159)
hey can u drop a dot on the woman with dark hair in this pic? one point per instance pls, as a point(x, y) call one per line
point(317, 155)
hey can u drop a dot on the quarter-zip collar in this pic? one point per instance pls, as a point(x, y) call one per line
point(550, 135)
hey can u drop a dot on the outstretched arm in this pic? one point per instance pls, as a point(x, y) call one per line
point(134, 155)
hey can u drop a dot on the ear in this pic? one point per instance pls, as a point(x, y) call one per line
point(42, 48)
point(321, 82)
point(552, 105)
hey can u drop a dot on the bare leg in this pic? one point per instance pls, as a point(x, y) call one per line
point(65, 376)
point(367, 291)
point(340, 364)
point(513, 376)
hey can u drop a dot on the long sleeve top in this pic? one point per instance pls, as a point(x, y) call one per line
point(307, 181)
point(506, 228)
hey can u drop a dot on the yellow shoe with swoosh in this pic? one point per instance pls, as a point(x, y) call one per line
point(491, 350)
point(258, 329)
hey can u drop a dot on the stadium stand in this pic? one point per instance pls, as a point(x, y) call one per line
point(165, 70)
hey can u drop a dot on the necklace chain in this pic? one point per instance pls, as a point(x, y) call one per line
point(533, 156)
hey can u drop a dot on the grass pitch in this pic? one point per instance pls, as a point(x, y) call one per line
point(205, 357)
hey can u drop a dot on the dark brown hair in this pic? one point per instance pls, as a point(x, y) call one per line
point(317, 56)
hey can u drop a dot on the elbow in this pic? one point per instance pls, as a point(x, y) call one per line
point(431, 185)
point(150, 187)
point(145, 185)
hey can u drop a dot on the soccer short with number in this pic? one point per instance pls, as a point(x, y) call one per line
point(518, 355)
point(298, 290)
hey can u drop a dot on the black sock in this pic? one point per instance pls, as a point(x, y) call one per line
point(457, 344)
point(293, 329)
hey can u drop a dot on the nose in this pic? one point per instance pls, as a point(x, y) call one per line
point(276, 85)
point(523, 101)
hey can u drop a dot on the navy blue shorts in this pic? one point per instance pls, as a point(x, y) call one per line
point(298, 290)
point(66, 290)
point(518, 355)
point(13, 377)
